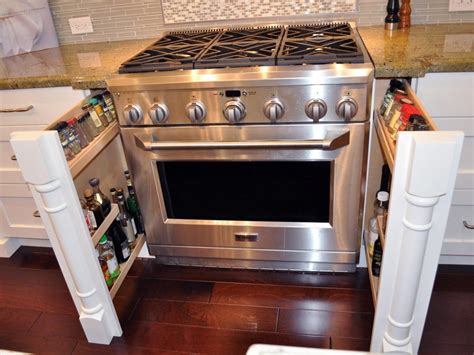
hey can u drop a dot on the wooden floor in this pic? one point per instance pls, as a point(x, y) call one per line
point(173, 310)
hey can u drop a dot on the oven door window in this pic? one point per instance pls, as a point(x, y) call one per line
point(247, 191)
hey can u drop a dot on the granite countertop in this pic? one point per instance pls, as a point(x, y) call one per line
point(411, 52)
point(82, 66)
point(420, 49)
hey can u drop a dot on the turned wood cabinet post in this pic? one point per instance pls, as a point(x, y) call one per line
point(45, 169)
point(422, 188)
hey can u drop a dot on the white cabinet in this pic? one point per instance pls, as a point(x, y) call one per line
point(448, 97)
point(25, 110)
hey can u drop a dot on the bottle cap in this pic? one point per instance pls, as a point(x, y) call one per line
point(383, 196)
point(94, 182)
point(71, 121)
point(113, 190)
point(60, 126)
point(103, 239)
point(88, 193)
point(120, 191)
point(126, 172)
point(93, 101)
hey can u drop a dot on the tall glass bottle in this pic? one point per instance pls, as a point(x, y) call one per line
point(120, 242)
point(100, 197)
point(132, 204)
point(126, 222)
point(107, 252)
point(93, 206)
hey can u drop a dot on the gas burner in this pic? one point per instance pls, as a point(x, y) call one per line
point(251, 35)
point(238, 54)
point(305, 32)
point(180, 39)
point(319, 51)
point(162, 58)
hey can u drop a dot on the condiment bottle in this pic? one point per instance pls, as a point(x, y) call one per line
point(64, 141)
point(120, 242)
point(377, 257)
point(109, 281)
point(72, 140)
point(107, 113)
point(107, 252)
point(126, 222)
point(100, 197)
point(93, 206)
point(132, 204)
point(110, 104)
point(94, 116)
point(381, 206)
point(100, 112)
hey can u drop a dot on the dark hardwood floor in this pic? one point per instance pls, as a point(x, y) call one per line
point(176, 310)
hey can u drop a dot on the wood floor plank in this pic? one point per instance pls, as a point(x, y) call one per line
point(207, 315)
point(339, 343)
point(445, 349)
point(209, 340)
point(14, 320)
point(52, 279)
point(58, 325)
point(151, 269)
point(35, 258)
point(38, 299)
point(166, 289)
point(324, 299)
point(30, 343)
point(84, 348)
point(450, 318)
point(342, 324)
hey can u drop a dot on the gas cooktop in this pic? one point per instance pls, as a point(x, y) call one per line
point(247, 47)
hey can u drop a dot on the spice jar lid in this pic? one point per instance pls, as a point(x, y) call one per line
point(60, 126)
point(103, 239)
point(71, 121)
point(383, 196)
point(94, 182)
point(93, 101)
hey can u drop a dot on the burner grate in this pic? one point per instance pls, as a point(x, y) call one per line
point(238, 54)
point(179, 39)
point(320, 51)
point(257, 34)
point(162, 58)
point(305, 32)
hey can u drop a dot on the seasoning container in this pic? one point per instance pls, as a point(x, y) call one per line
point(100, 112)
point(407, 108)
point(91, 125)
point(392, 19)
point(73, 141)
point(110, 104)
point(419, 124)
point(82, 122)
point(61, 127)
point(94, 116)
point(390, 94)
point(398, 95)
point(105, 108)
point(76, 130)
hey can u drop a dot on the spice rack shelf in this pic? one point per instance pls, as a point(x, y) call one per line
point(104, 226)
point(374, 280)
point(387, 144)
point(380, 230)
point(125, 267)
point(89, 153)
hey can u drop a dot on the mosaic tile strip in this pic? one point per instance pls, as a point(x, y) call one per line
point(184, 11)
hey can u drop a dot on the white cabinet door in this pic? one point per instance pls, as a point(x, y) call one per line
point(448, 97)
point(17, 213)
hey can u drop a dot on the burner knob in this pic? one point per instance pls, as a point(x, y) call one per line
point(316, 109)
point(274, 109)
point(196, 111)
point(159, 113)
point(133, 113)
point(346, 108)
point(234, 111)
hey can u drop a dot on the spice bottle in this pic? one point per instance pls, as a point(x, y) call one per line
point(100, 197)
point(78, 133)
point(94, 116)
point(110, 104)
point(64, 141)
point(107, 252)
point(71, 138)
point(100, 112)
point(82, 122)
point(105, 108)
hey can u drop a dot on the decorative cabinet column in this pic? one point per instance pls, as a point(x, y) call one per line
point(45, 169)
point(422, 187)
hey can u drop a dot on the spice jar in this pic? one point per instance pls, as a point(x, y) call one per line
point(72, 140)
point(110, 104)
point(76, 130)
point(100, 112)
point(105, 108)
point(94, 116)
point(82, 122)
point(64, 141)
point(398, 95)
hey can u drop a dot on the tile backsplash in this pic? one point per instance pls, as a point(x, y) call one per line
point(184, 11)
point(128, 19)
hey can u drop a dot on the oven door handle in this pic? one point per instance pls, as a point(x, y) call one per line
point(333, 140)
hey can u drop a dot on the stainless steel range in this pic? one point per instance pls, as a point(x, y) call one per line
point(249, 146)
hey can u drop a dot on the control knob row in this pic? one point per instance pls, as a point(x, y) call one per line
point(234, 110)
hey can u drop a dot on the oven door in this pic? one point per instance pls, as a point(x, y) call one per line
point(276, 192)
